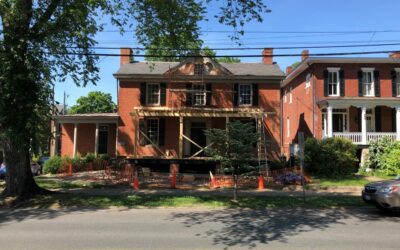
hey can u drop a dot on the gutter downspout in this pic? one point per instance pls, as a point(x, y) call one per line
point(313, 99)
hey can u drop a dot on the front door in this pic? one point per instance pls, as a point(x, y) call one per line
point(337, 123)
point(197, 135)
point(103, 140)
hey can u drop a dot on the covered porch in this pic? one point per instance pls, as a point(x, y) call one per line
point(361, 120)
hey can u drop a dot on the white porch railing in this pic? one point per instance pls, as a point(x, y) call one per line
point(356, 137)
point(372, 136)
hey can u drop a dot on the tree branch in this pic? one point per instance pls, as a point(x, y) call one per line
point(42, 21)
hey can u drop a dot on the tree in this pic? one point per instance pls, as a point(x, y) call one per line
point(211, 53)
point(233, 147)
point(295, 64)
point(94, 102)
point(44, 41)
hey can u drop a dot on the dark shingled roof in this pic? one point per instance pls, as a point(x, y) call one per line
point(240, 69)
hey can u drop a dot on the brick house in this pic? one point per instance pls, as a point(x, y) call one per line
point(353, 98)
point(164, 108)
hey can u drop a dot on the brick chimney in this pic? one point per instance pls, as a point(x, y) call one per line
point(126, 56)
point(267, 55)
point(288, 70)
point(304, 54)
point(395, 55)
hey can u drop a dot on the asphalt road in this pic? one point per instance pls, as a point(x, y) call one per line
point(198, 229)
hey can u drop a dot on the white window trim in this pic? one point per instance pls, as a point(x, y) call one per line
point(347, 113)
point(204, 95)
point(366, 70)
point(308, 80)
point(372, 115)
point(284, 96)
point(290, 95)
point(251, 95)
point(335, 70)
point(159, 94)
point(158, 131)
point(287, 127)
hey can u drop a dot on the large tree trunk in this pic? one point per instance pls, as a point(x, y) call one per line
point(19, 177)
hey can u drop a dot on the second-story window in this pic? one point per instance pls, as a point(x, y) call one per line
point(333, 83)
point(153, 94)
point(198, 69)
point(398, 83)
point(368, 82)
point(245, 94)
point(199, 95)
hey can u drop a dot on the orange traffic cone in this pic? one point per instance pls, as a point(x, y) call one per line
point(136, 183)
point(173, 180)
point(261, 183)
point(213, 183)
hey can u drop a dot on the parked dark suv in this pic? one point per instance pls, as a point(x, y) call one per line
point(384, 194)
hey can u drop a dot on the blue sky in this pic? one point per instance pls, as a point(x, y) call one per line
point(286, 16)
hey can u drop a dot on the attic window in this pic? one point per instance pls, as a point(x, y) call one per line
point(198, 69)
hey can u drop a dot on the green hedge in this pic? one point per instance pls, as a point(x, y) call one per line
point(57, 164)
point(330, 157)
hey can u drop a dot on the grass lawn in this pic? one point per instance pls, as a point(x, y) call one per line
point(355, 180)
point(59, 183)
point(153, 201)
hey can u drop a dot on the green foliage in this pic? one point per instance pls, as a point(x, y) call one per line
point(233, 147)
point(211, 53)
point(90, 157)
point(52, 165)
point(94, 102)
point(376, 150)
point(390, 160)
point(295, 64)
point(330, 157)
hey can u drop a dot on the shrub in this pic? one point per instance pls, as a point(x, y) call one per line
point(52, 165)
point(390, 159)
point(333, 157)
point(90, 157)
point(376, 150)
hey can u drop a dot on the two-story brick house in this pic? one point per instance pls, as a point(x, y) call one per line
point(164, 108)
point(353, 98)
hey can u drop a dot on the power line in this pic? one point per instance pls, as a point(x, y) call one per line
point(249, 48)
point(239, 56)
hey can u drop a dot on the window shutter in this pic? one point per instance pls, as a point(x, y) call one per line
point(163, 93)
point(208, 94)
point(360, 90)
point(378, 123)
point(235, 94)
point(255, 94)
point(143, 94)
point(377, 83)
point(341, 80)
point(326, 87)
point(188, 94)
point(359, 118)
point(142, 127)
point(393, 119)
point(161, 131)
point(393, 75)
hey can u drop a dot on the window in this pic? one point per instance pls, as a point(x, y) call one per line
point(103, 140)
point(284, 96)
point(199, 94)
point(287, 127)
point(308, 80)
point(333, 82)
point(398, 83)
point(245, 94)
point(153, 94)
point(290, 95)
point(198, 69)
point(368, 82)
point(152, 130)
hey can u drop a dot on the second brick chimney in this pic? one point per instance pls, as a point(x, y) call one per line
point(267, 55)
point(125, 56)
point(395, 55)
point(304, 54)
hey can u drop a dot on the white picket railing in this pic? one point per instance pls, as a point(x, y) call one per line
point(356, 137)
point(373, 136)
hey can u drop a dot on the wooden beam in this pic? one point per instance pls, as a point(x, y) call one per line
point(152, 143)
point(191, 141)
point(75, 139)
point(96, 140)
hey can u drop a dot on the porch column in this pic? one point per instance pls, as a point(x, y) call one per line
point(75, 137)
point(54, 139)
point(364, 125)
point(181, 137)
point(398, 123)
point(329, 121)
point(96, 140)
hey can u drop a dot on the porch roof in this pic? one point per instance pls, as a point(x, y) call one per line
point(199, 112)
point(87, 118)
point(359, 102)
